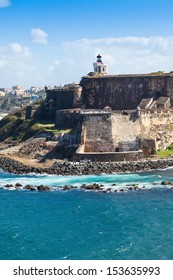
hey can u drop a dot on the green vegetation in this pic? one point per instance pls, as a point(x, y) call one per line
point(166, 153)
point(170, 147)
point(14, 127)
point(50, 127)
point(157, 73)
point(26, 130)
point(169, 127)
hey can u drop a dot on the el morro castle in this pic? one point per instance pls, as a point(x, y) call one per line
point(116, 117)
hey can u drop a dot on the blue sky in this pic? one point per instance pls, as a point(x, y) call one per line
point(55, 42)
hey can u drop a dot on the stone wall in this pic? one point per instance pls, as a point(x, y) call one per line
point(68, 119)
point(118, 132)
point(158, 125)
point(106, 157)
point(63, 98)
point(125, 131)
point(110, 133)
point(97, 133)
point(124, 92)
point(120, 92)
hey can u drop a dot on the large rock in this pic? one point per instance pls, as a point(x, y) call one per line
point(148, 146)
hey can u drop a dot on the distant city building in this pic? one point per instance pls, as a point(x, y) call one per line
point(33, 89)
point(3, 89)
point(18, 88)
point(34, 97)
point(37, 93)
point(2, 93)
point(99, 66)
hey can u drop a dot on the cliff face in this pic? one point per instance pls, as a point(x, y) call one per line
point(124, 92)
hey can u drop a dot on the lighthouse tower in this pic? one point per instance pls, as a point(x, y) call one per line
point(99, 66)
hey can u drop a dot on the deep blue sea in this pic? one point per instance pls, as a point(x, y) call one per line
point(78, 224)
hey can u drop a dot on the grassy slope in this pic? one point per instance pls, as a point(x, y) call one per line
point(14, 127)
point(17, 128)
point(166, 153)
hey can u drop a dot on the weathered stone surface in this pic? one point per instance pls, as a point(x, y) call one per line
point(65, 97)
point(97, 133)
point(148, 146)
point(124, 91)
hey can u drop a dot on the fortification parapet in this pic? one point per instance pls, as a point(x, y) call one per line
point(65, 97)
point(124, 91)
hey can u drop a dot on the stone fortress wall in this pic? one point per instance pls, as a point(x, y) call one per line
point(124, 92)
point(118, 132)
point(64, 97)
point(111, 131)
point(97, 133)
point(119, 92)
point(158, 125)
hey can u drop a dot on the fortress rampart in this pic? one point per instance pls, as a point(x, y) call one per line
point(123, 92)
point(118, 133)
point(65, 97)
point(97, 105)
point(119, 92)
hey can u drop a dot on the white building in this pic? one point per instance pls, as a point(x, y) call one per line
point(99, 66)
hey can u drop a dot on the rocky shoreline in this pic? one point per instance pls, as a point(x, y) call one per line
point(91, 187)
point(114, 188)
point(85, 168)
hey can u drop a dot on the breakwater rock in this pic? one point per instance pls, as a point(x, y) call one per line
point(85, 168)
point(85, 187)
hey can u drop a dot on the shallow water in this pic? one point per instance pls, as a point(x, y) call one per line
point(81, 224)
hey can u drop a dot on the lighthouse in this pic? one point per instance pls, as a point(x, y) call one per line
point(99, 66)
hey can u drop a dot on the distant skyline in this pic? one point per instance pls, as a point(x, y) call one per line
point(48, 42)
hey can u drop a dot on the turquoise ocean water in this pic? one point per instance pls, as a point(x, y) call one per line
point(79, 224)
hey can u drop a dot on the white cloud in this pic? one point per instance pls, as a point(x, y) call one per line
point(73, 59)
point(4, 3)
point(18, 66)
point(3, 63)
point(120, 41)
point(39, 36)
point(58, 69)
point(17, 49)
point(123, 54)
point(64, 61)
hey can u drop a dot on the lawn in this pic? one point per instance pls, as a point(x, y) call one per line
point(166, 153)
